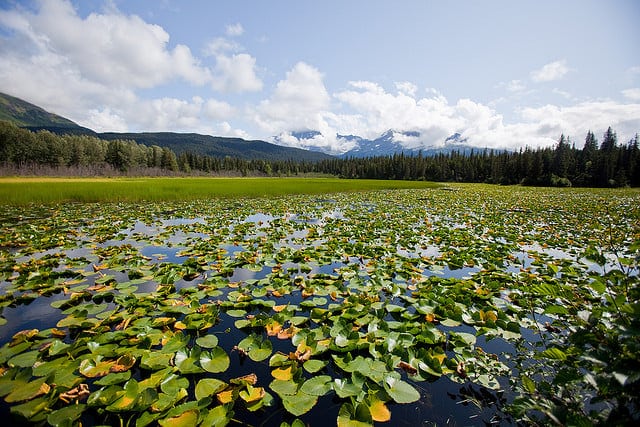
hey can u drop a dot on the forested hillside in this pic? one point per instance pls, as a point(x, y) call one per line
point(605, 164)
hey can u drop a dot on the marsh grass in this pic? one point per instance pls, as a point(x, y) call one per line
point(23, 190)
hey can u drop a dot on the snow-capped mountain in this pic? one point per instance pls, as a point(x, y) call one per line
point(385, 145)
point(389, 143)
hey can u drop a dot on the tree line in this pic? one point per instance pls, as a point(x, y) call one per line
point(605, 164)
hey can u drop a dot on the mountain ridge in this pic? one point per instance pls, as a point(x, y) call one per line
point(393, 142)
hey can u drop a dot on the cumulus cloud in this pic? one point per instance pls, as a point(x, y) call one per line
point(236, 73)
point(550, 72)
point(369, 110)
point(576, 119)
point(378, 110)
point(297, 103)
point(100, 46)
point(90, 69)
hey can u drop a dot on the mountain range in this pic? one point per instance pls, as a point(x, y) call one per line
point(35, 118)
point(392, 142)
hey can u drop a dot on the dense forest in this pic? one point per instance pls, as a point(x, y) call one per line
point(605, 164)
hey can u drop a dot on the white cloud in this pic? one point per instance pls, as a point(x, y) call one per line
point(407, 88)
point(236, 73)
point(632, 93)
point(218, 110)
point(220, 45)
point(577, 119)
point(104, 120)
point(88, 69)
point(297, 103)
point(550, 72)
point(100, 48)
point(234, 30)
point(378, 111)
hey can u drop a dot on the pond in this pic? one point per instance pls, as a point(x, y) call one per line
point(418, 307)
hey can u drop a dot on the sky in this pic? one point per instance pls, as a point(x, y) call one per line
point(502, 73)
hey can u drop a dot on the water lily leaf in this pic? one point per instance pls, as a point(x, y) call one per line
point(226, 396)
point(58, 347)
point(209, 386)
point(256, 347)
point(186, 360)
point(379, 411)
point(176, 342)
point(345, 388)
point(97, 367)
point(155, 360)
point(66, 415)
point(215, 361)
point(348, 416)
point(236, 313)
point(126, 399)
point(28, 391)
point(242, 323)
point(24, 360)
point(208, 341)
point(251, 394)
point(165, 401)
point(173, 383)
point(33, 410)
point(273, 327)
point(450, 323)
point(314, 365)
point(186, 419)
point(104, 396)
point(282, 387)
point(123, 363)
point(113, 378)
point(219, 416)
point(299, 403)
point(317, 386)
point(399, 390)
point(249, 379)
point(283, 373)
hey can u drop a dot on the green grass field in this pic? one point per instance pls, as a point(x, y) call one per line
point(22, 191)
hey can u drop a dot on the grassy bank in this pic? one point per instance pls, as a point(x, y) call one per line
point(23, 190)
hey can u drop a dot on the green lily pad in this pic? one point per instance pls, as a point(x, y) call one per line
point(186, 419)
point(317, 386)
point(208, 341)
point(66, 415)
point(256, 347)
point(215, 361)
point(314, 365)
point(28, 391)
point(399, 390)
point(299, 403)
point(208, 387)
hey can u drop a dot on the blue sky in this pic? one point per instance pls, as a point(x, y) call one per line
point(501, 73)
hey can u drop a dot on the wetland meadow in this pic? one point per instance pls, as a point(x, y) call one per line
point(290, 302)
